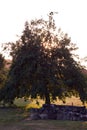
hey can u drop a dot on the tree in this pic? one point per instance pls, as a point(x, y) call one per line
point(43, 64)
point(2, 62)
point(2, 71)
point(3, 75)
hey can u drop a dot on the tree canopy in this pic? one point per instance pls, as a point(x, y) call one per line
point(44, 65)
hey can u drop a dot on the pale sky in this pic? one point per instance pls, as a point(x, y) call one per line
point(72, 18)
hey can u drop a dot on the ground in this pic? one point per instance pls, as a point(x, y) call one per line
point(18, 119)
point(45, 125)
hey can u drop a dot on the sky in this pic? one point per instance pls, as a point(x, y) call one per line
point(71, 18)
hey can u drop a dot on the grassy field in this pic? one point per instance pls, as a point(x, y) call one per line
point(18, 118)
point(33, 103)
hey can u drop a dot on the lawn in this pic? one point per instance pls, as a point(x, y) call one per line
point(32, 103)
point(18, 119)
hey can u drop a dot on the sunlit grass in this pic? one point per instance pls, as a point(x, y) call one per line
point(20, 102)
point(38, 102)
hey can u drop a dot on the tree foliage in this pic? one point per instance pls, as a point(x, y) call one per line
point(43, 64)
point(2, 71)
point(3, 75)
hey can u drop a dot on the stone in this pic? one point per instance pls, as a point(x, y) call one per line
point(59, 112)
point(43, 116)
point(34, 116)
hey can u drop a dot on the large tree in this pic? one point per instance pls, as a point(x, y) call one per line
point(44, 64)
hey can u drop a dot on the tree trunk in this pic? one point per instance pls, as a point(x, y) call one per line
point(47, 98)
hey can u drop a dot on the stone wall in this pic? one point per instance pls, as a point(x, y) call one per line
point(59, 112)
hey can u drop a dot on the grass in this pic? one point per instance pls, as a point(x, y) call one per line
point(8, 115)
point(34, 104)
point(18, 118)
point(55, 125)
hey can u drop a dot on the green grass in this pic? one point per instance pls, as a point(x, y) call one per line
point(18, 119)
point(8, 115)
point(54, 125)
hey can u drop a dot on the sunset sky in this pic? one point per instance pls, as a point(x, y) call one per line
point(72, 18)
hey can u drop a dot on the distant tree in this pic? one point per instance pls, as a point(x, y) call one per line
point(43, 64)
point(2, 71)
point(3, 75)
point(2, 62)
